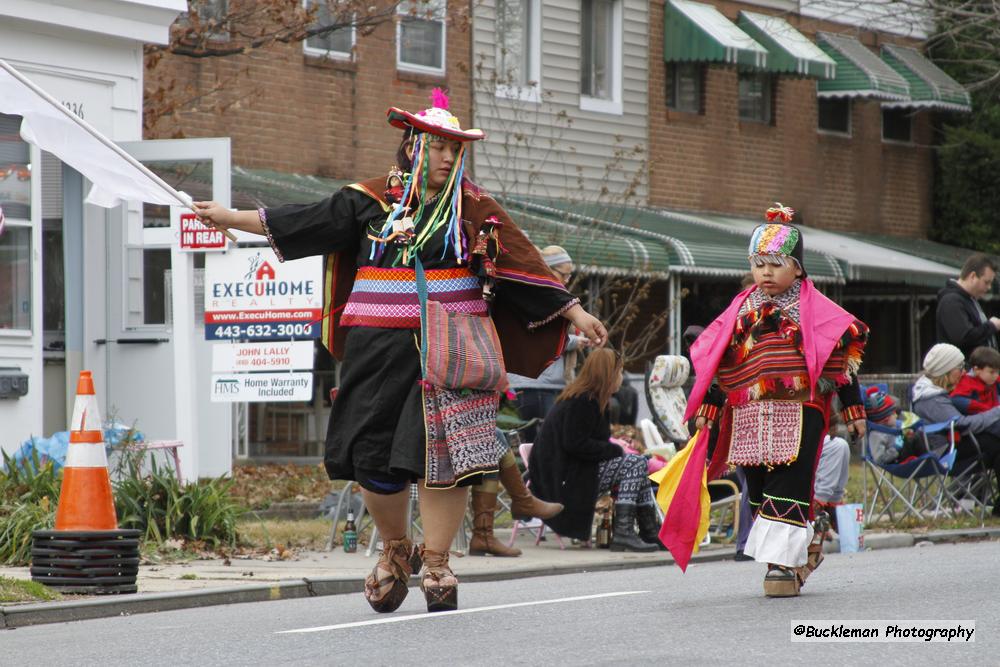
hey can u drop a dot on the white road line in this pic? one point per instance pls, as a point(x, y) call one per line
point(443, 614)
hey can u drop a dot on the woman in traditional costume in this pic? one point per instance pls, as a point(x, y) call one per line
point(475, 261)
point(776, 355)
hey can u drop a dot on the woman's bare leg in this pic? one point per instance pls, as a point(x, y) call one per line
point(389, 513)
point(441, 511)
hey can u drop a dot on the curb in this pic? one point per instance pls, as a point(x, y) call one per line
point(18, 616)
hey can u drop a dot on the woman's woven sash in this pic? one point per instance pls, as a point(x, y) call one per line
point(387, 298)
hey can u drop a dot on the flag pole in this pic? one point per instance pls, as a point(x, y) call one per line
point(181, 197)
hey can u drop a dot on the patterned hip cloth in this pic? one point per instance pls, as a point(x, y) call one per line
point(630, 473)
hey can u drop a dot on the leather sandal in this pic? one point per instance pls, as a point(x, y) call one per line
point(781, 582)
point(814, 551)
point(440, 595)
point(386, 586)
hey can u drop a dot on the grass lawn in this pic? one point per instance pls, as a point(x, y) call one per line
point(855, 494)
point(20, 590)
point(309, 534)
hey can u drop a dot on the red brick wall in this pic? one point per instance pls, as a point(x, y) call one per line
point(715, 162)
point(295, 113)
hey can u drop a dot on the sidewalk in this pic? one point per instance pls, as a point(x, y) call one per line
point(211, 582)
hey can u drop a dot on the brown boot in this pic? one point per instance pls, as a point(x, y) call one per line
point(483, 542)
point(523, 505)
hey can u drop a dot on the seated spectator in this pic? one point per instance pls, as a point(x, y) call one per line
point(887, 448)
point(832, 470)
point(943, 368)
point(573, 461)
point(977, 390)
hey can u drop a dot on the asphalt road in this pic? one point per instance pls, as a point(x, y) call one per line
point(715, 614)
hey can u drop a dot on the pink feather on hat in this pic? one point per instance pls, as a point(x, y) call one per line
point(439, 99)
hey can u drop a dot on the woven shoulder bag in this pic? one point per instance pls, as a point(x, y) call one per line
point(458, 350)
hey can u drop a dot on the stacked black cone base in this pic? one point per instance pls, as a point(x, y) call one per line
point(91, 562)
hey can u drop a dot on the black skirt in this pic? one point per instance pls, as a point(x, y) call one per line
point(377, 421)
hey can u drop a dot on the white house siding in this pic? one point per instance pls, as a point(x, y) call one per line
point(88, 55)
point(561, 143)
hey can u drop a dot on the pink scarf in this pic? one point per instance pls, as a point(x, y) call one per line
point(822, 323)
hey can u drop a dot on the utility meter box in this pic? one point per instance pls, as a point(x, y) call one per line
point(13, 383)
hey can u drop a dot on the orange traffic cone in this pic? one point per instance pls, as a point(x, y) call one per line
point(86, 501)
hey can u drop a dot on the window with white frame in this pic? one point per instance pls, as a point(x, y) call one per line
point(756, 91)
point(518, 48)
point(420, 36)
point(15, 238)
point(600, 55)
point(339, 43)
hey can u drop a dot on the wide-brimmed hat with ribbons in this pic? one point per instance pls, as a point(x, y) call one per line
point(436, 120)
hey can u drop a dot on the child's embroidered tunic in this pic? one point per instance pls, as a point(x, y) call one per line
point(772, 422)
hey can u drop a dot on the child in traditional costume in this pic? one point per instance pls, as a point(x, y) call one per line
point(777, 355)
point(426, 224)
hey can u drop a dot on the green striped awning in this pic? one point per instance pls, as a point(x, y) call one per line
point(684, 244)
point(872, 258)
point(698, 32)
point(860, 73)
point(930, 87)
point(788, 50)
point(597, 247)
point(264, 187)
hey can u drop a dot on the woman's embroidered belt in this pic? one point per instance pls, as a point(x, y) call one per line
point(387, 298)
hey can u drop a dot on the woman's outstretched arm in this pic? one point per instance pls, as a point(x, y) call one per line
point(215, 215)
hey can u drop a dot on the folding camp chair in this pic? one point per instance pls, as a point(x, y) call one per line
point(920, 486)
point(972, 481)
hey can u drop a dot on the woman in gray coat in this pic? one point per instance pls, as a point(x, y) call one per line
point(943, 367)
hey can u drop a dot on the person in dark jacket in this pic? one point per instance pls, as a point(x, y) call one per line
point(960, 319)
point(573, 462)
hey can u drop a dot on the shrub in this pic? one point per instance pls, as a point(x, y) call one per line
point(29, 493)
point(157, 504)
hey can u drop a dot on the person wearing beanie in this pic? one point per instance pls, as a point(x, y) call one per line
point(943, 368)
point(779, 353)
point(422, 229)
point(886, 448)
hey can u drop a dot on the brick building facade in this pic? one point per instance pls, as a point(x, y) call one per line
point(712, 161)
point(291, 111)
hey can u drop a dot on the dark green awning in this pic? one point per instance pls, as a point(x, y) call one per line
point(596, 246)
point(253, 188)
point(929, 86)
point(697, 32)
point(860, 73)
point(687, 244)
point(863, 258)
point(788, 50)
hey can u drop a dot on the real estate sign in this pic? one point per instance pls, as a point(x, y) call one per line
point(250, 295)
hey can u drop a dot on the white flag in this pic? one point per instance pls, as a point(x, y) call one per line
point(50, 127)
